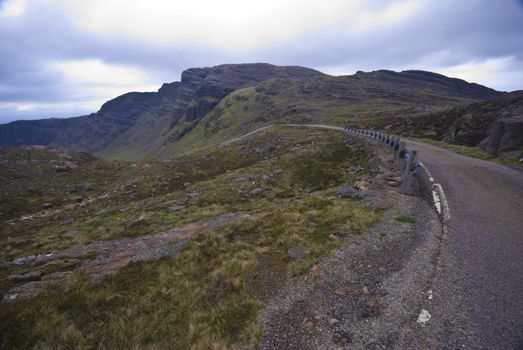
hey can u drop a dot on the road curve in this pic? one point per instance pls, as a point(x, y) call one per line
point(478, 292)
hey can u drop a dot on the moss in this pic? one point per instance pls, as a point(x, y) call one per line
point(406, 219)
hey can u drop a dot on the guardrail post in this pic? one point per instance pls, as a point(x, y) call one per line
point(407, 181)
point(401, 154)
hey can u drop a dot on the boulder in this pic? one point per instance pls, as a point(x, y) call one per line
point(505, 134)
point(348, 191)
point(258, 191)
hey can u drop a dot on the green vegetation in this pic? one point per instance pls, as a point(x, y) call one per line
point(474, 152)
point(208, 295)
point(406, 219)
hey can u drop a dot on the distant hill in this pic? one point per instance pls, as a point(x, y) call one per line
point(210, 105)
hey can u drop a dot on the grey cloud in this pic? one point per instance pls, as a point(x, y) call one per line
point(469, 30)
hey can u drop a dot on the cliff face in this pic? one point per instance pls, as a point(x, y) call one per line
point(138, 125)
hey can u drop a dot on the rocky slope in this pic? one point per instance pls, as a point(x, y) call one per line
point(211, 104)
point(495, 125)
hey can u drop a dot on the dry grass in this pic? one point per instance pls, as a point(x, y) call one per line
point(207, 296)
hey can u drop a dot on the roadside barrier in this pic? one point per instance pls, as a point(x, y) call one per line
point(405, 160)
point(412, 170)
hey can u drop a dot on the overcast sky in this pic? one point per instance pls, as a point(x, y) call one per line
point(66, 57)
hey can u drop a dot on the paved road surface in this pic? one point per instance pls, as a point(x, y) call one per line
point(478, 295)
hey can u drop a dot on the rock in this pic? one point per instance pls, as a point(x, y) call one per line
point(341, 292)
point(333, 237)
point(140, 220)
point(175, 208)
point(102, 212)
point(333, 321)
point(424, 316)
point(24, 260)
point(298, 252)
point(430, 133)
point(47, 205)
point(372, 304)
point(347, 191)
point(361, 185)
point(244, 178)
point(365, 290)
point(307, 323)
point(71, 233)
point(505, 134)
point(29, 276)
point(258, 191)
point(372, 194)
point(60, 275)
point(24, 291)
point(41, 259)
point(314, 272)
point(193, 195)
point(66, 166)
point(67, 222)
point(76, 199)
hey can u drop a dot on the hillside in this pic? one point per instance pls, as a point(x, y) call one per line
point(495, 125)
point(203, 237)
point(209, 105)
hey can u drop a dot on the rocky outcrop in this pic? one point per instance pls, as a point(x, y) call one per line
point(495, 125)
point(505, 134)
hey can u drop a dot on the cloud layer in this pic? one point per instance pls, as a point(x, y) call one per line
point(66, 57)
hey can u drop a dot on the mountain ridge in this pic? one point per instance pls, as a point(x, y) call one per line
point(138, 125)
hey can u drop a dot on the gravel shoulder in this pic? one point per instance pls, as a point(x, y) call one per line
point(369, 293)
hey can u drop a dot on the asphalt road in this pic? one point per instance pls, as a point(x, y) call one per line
point(478, 292)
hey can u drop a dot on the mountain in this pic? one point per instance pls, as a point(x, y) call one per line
point(209, 105)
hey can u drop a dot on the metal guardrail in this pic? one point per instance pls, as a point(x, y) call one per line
point(406, 160)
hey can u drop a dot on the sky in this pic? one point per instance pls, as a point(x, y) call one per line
point(62, 58)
